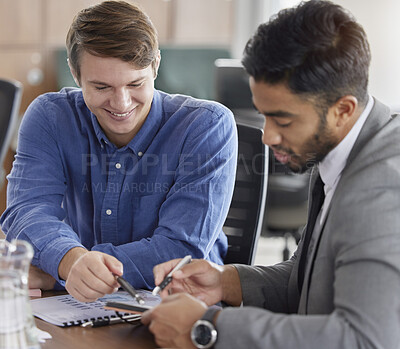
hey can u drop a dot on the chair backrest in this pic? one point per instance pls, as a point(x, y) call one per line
point(232, 84)
point(10, 99)
point(244, 222)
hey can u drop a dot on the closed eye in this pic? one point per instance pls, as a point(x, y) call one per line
point(283, 124)
point(101, 88)
point(136, 85)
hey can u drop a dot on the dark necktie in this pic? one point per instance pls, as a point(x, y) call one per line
point(317, 197)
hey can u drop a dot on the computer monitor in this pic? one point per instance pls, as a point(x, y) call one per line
point(232, 89)
point(232, 84)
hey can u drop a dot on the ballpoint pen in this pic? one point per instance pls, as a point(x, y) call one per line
point(111, 320)
point(187, 259)
point(129, 288)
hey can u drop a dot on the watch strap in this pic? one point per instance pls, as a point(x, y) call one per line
point(210, 313)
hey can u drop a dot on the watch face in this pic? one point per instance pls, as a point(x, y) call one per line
point(202, 334)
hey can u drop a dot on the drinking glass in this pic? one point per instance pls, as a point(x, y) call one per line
point(17, 326)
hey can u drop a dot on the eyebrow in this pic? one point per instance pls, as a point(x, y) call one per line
point(96, 82)
point(279, 113)
point(276, 113)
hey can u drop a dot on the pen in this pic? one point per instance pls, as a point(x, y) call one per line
point(187, 259)
point(129, 288)
point(111, 321)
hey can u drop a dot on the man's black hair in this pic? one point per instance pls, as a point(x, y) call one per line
point(317, 49)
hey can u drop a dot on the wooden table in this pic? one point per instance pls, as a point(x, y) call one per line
point(106, 337)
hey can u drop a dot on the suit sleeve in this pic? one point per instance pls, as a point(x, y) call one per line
point(267, 287)
point(363, 243)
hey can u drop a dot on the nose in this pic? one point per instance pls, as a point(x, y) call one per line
point(271, 135)
point(120, 100)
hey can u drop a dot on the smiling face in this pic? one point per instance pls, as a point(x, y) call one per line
point(293, 129)
point(118, 94)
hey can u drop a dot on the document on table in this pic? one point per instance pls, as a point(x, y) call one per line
point(67, 311)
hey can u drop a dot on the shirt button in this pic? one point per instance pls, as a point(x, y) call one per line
point(140, 153)
point(108, 212)
point(118, 165)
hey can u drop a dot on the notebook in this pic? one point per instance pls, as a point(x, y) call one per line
point(66, 311)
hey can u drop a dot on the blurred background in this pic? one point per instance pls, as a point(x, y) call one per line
point(192, 35)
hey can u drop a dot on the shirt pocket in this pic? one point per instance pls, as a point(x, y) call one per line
point(145, 217)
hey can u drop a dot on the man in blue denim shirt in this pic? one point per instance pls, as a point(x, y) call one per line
point(116, 177)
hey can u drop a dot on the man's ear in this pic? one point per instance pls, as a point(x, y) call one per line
point(346, 111)
point(157, 64)
point(73, 73)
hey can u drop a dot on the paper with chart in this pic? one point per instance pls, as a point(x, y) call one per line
point(67, 311)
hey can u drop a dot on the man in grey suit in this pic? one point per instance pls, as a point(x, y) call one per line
point(308, 72)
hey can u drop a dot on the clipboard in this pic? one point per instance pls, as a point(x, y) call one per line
point(65, 311)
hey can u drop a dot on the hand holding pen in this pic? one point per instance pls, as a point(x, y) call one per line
point(130, 289)
point(202, 279)
point(187, 259)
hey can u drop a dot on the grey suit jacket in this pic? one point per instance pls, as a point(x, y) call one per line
point(351, 292)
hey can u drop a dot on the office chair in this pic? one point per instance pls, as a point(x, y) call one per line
point(10, 99)
point(287, 204)
point(244, 221)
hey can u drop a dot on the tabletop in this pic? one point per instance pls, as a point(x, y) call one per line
point(107, 337)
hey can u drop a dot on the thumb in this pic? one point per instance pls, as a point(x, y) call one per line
point(113, 264)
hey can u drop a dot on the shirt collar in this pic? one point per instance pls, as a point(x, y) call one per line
point(149, 129)
point(333, 164)
point(101, 137)
point(147, 132)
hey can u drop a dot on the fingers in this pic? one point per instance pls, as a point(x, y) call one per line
point(82, 294)
point(171, 321)
point(160, 271)
point(197, 266)
point(146, 317)
point(159, 312)
point(91, 276)
point(113, 265)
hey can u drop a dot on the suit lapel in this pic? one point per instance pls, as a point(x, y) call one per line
point(378, 117)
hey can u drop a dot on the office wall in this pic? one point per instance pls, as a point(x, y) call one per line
point(380, 21)
point(32, 30)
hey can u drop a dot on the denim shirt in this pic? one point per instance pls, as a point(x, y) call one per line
point(164, 195)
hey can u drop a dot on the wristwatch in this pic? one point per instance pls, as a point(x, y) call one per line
point(203, 333)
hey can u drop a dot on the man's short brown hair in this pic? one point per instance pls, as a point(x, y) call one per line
point(113, 29)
